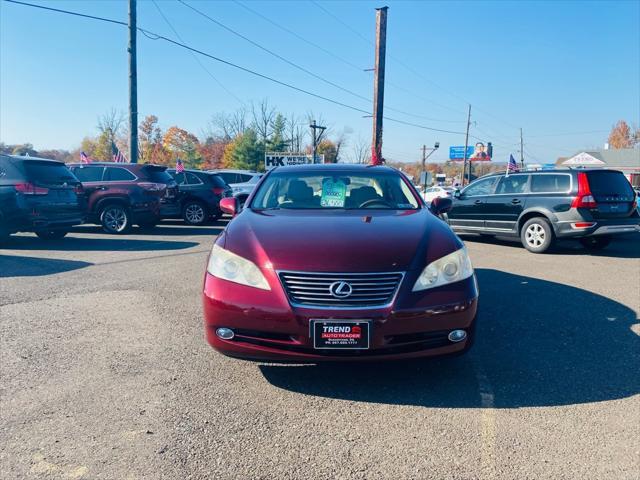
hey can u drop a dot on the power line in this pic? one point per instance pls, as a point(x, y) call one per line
point(154, 36)
point(195, 57)
point(293, 64)
point(350, 64)
point(411, 69)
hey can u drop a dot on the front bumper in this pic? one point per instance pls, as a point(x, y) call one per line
point(268, 328)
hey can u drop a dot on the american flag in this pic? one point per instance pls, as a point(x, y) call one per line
point(84, 158)
point(513, 166)
point(179, 166)
point(117, 155)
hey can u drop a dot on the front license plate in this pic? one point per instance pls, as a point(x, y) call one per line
point(340, 334)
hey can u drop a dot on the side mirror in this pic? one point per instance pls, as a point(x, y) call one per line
point(229, 205)
point(440, 205)
point(456, 194)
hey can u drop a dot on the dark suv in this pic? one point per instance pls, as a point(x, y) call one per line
point(541, 206)
point(121, 194)
point(38, 195)
point(199, 199)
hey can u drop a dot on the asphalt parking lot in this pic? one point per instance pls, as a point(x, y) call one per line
point(105, 374)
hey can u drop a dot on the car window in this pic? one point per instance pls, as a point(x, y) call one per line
point(51, 173)
point(117, 174)
point(512, 184)
point(193, 179)
point(217, 181)
point(243, 178)
point(609, 183)
point(89, 174)
point(550, 183)
point(480, 187)
point(335, 190)
point(157, 174)
point(229, 177)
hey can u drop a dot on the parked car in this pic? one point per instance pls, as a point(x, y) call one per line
point(242, 182)
point(591, 205)
point(199, 198)
point(437, 192)
point(38, 195)
point(119, 195)
point(338, 262)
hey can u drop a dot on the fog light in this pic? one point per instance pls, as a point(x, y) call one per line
point(457, 335)
point(225, 333)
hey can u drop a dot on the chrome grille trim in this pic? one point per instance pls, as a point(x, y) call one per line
point(370, 290)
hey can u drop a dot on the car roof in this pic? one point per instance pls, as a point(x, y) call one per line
point(23, 158)
point(554, 170)
point(116, 164)
point(195, 170)
point(227, 170)
point(345, 167)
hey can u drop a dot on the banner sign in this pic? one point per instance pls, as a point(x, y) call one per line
point(273, 159)
point(457, 153)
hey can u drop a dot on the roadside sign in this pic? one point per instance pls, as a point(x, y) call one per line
point(274, 159)
point(457, 153)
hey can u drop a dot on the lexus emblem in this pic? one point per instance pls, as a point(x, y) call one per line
point(340, 289)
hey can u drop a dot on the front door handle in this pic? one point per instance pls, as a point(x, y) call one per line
point(515, 201)
point(478, 202)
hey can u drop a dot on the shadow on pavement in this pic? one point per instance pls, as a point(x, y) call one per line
point(162, 229)
point(539, 344)
point(18, 266)
point(82, 244)
point(624, 246)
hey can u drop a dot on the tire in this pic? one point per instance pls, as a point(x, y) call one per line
point(194, 213)
point(51, 234)
point(595, 243)
point(115, 219)
point(537, 235)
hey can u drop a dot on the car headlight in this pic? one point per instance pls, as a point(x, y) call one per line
point(451, 268)
point(229, 266)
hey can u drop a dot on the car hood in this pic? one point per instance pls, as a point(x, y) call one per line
point(339, 240)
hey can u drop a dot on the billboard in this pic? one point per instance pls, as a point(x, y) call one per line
point(274, 159)
point(476, 153)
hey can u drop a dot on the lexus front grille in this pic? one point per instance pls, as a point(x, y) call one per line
point(339, 290)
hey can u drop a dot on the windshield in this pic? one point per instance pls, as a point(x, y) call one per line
point(335, 190)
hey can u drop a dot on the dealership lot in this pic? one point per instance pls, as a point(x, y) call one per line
point(105, 374)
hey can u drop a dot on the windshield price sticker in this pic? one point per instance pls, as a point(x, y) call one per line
point(333, 193)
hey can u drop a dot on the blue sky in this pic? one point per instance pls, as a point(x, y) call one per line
point(552, 68)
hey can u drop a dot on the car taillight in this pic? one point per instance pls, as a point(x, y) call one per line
point(152, 187)
point(584, 199)
point(583, 224)
point(218, 191)
point(31, 189)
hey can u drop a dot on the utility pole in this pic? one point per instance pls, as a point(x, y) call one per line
point(316, 138)
point(466, 145)
point(133, 85)
point(521, 151)
point(378, 85)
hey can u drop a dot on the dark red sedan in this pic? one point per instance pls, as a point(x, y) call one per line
point(338, 262)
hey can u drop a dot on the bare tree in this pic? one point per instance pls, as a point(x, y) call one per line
point(361, 151)
point(228, 125)
point(263, 116)
point(341, 141)
point(296, 132)
point(111, 122)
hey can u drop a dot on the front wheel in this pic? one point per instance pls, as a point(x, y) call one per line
point(537, 235)
point(115, 219)
point(51, 234)
point(194, 213)
point(595, 243)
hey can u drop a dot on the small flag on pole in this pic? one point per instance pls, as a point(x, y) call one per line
point(84, 158)
point(179, 166)
point(117, 155)
point(513, 166)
